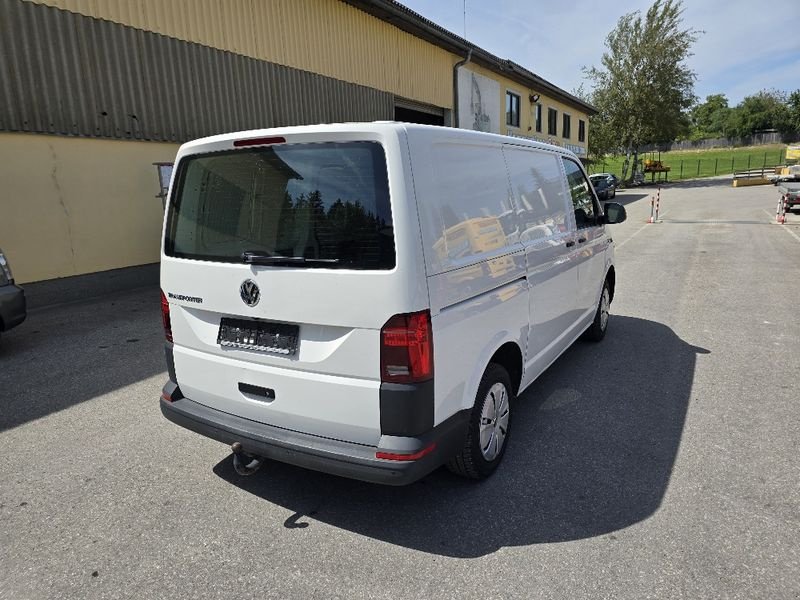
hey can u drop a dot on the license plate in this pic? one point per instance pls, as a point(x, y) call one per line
point(279, 338)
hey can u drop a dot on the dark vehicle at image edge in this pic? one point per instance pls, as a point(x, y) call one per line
point(791, 195)
point(12, 298)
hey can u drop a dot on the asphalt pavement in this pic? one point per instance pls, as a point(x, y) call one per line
point(660, 463)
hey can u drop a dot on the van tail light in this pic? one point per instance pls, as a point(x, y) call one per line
point(407, 348)
point(165, 317)
point(265, 141)
point(406, 457)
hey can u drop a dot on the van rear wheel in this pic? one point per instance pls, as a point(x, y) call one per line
point(489, 426)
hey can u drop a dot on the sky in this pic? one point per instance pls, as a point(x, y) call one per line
point(746, 46)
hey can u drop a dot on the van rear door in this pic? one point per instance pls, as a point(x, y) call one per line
point(280, 268)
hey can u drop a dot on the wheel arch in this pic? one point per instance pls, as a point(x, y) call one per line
point(611, 278)
point(504, 350)
point(509, 356)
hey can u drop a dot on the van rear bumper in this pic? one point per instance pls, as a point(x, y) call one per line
point(345, 459)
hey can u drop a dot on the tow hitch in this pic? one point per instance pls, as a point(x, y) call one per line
point(243, 463)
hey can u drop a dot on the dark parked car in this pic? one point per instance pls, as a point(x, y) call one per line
point(604, 186)
point(12, 298)
point(614, 179)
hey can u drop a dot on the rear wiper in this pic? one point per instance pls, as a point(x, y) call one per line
point(264, 258)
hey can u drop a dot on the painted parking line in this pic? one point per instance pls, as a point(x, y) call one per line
point(635, 233)
point(789, 231)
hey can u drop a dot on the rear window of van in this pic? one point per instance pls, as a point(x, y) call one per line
point(327, 202)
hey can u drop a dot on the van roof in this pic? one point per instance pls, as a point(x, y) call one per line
point(379, 127)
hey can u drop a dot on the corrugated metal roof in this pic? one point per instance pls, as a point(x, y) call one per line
point(64, 73)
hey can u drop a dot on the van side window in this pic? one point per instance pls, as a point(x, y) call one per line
point(538, 192)
point(475, 219)
point(582, 197)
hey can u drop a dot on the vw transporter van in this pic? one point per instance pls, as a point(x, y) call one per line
point(369, 300)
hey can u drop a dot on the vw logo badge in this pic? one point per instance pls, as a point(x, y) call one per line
point(249, 292)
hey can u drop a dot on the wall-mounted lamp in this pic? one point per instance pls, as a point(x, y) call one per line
point(534, 98)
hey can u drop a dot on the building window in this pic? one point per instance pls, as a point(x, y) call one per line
point(552, 121)
point(566, 125)
point(539, 118)
point(581, 130)
point(512, 109)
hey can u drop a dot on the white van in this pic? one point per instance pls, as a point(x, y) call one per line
point(368, 299)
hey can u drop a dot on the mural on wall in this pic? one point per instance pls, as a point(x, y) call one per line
point(478, 102)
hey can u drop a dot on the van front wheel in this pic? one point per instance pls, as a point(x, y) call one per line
point(597, 330)
point(489, 426)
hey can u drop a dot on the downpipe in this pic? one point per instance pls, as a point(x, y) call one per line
point(456, 67)
point(243, 463)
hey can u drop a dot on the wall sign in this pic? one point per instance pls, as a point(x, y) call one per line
point(478, 102)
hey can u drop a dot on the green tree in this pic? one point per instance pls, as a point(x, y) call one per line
point(768, 109)
point(710, 118)
point(601, 137)
point(793, 106)
point(644, 87)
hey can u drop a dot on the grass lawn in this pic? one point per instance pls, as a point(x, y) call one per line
point(689, 164)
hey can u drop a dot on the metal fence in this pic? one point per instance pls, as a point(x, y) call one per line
point(690, 168)
point(758, 139)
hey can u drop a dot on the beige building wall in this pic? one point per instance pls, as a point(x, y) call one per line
point(527, 121)
point(559, 140)
point(327, 37)
point(74, 205)
point(527, 125)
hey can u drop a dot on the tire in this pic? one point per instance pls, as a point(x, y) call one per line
point(597, 330)
point(489, 428)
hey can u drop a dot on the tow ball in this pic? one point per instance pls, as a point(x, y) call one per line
point(243, 463)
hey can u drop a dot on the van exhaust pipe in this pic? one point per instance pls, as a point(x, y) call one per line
point(243, 463)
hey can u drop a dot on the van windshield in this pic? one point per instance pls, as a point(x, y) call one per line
point(317, 205)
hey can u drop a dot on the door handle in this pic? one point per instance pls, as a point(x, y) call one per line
point(570, 244)
point(261, 393)
point(581, 240)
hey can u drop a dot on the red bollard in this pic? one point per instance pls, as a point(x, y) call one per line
point(658, 202)
point(780, 214)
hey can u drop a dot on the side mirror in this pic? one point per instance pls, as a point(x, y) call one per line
point(614, 213)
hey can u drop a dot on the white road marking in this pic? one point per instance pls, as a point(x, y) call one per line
point(785, 228)
point(642, 228)
point(635, 233)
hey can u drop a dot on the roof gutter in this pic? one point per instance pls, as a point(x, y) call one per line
point(456, 67)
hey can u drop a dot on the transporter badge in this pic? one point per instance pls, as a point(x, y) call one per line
point(249, 292)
